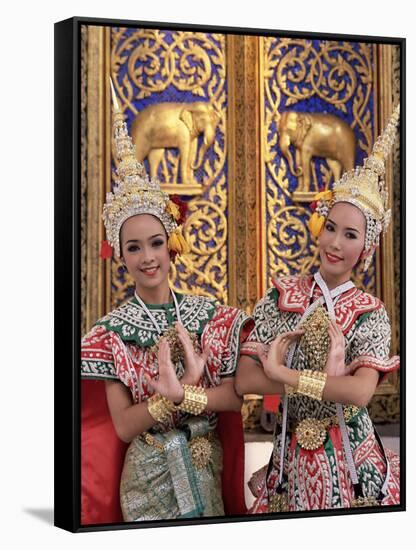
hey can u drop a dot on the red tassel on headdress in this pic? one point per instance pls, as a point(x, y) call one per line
point(314, 203)
point(183, 208)
point(106, 250)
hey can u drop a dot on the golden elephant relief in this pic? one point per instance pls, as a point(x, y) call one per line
point(177, 125)
point(316, 135)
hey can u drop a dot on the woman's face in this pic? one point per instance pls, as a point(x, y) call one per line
point(341, 241)
point(145, 251)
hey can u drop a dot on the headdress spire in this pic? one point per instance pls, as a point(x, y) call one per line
point(135, 193)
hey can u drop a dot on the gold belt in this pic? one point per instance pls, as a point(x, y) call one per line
point(311, 432)
point(200, 447)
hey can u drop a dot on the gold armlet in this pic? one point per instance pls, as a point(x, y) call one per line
point(194, 400)
point(312, 383)
point(160, 408)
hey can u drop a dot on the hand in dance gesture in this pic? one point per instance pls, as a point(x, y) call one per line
point(335, 365)
point(167, 384)
point(194, 362)
point(275, 359)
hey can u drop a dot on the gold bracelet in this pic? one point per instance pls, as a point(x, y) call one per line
point(194, 400)
point(290, 391)
point(160, 408)
point(312, 383)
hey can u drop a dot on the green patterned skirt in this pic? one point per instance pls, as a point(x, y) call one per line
point(167, 476)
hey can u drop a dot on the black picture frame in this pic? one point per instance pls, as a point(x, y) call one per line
point(67, 271)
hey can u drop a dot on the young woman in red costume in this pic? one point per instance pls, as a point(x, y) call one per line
point(323, 345)
point(156, 372)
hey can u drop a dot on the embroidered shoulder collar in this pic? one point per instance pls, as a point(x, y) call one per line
point(295, 292)
point(133, 324)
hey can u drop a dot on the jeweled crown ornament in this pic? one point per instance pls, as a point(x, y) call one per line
point(364, 187)
point(135, 193)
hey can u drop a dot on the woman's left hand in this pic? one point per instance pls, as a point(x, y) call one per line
point(194, 362)
point(275, 358)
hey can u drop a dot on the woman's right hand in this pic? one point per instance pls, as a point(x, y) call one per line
point(275, 358)
point(167, 384)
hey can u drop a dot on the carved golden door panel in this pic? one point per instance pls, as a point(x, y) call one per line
point(244, 129)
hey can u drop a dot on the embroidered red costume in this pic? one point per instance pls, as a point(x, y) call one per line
point(319, 479)
point(119, 347)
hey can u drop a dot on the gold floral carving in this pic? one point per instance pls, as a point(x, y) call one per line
point(154, 63)
point(289, 242)
point(204, 270)
point(335, 72)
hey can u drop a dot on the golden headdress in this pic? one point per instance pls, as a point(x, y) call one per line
point(135, 193)
point(365, 188)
